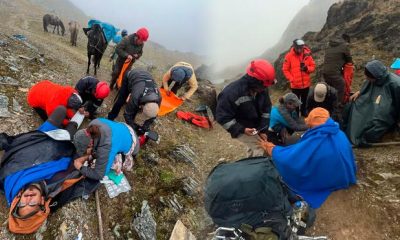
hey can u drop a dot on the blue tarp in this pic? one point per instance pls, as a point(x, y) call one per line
point(321, 162)
point(109, 30)
point(396, 64)
point(117, 39)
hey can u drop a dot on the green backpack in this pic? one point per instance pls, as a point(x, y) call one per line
point(249, 191)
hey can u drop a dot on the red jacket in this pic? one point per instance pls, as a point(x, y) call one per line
point(291, 68)
point(48, 95)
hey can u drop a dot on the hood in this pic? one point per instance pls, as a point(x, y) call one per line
point(378, 70)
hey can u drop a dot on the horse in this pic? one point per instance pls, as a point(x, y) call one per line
point(74, 30)
point(55, 21)
point(96, 46)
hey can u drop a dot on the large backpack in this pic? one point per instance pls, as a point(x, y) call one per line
point(250, 192)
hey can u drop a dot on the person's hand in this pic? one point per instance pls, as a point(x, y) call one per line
point(86, 113)
point(354, 96)
point(263, 141)
point(130, 57)
point(183, 98)
point(263, 136)
point(168, 93)
point(79, 162)
point(250, 131)
point(81, 110)
point(136, 56)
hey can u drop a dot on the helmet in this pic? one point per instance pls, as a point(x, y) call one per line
point(102, 90)
point(143, 34)
point(124, 32)
point(262, 70)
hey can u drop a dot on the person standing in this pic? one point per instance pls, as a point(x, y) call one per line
point(337, 55)
point(297, 67)
point(131, 47)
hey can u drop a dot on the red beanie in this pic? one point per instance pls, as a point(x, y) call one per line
point(143, 34)
point(102, 90)
point(262, 70)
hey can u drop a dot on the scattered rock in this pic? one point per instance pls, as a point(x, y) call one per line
point(8, 81)
point(116, 231)
point(14, 69)
point(3, 43)
point(181, 232)
point(16, 106)
point(4, 107)
point(151, 158)
point(184, 153)
point(190, 186)
point(144, 223)
point(172, 203)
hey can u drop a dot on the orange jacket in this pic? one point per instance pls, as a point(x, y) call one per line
point(48, 96)
point(291, 68)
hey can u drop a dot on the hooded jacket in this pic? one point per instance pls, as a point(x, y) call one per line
point(336, 56)
point(330, 102)
point(86, 88)
point(282, 118)
point(321, 162)
point(128, 47)
point(48, 96)
point(237, 109)
point(376, 110)
point(291, 68)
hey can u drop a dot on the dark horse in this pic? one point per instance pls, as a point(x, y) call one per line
point(55, 21)
point(96, 46)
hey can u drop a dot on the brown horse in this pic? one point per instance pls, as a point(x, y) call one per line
point(74, 30)
point(49, 19)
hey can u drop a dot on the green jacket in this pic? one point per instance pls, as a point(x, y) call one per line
point(128, 47)
point(337, 54)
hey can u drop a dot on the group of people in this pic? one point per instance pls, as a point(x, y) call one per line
point(309, 133)
point(41, 170)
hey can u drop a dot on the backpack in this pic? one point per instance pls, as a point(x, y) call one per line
point(249, 192)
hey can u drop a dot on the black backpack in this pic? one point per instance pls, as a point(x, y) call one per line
point(249, 191)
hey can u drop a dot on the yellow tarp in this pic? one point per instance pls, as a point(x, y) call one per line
point(168, 103)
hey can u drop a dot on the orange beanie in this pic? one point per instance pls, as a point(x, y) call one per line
point(316, 117)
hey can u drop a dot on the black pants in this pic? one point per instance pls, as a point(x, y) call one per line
point(123, 94)
point(302, 95)
point(336, 82)
point(176, 86)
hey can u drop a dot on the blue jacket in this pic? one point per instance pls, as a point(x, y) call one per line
point(321, 162)
point(115, 138)
point(282, 118)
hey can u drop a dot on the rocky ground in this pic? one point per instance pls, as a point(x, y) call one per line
point(369, 210)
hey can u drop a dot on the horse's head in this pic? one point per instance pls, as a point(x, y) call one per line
point(61, 24)
point(95, 35)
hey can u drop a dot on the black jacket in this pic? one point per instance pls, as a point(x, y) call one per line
point(143, 90)
point(237, 109)
point(330, 103)
point(127, 47)
point(336, 55)
point(86, 88)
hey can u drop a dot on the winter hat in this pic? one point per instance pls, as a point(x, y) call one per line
point(81, 141)
point(75, 101)
point(102, 90)
point(143, 34)
point(316, 117)
point(178, 74)
point(150, 110)
point(298, 43)
point(291, 97)
point(320, 91)
point(124, 32)
point(262, 70)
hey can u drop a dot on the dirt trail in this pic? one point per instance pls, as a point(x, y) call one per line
point(369, 210)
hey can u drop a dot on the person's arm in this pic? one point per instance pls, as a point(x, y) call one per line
point(286, 68)
point(265, 111)
point(99, 170)
point(166, 78)
point(226, 111)
point(293, 124)
point(310, 64)
point(266, 145)
point(193, 87)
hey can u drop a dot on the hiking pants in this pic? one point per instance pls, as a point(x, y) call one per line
point(123, 94)
point(302, 95)
point(336, 82)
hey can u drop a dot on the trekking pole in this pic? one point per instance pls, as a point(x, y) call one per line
point(99, 215)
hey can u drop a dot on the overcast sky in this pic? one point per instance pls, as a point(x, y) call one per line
point(225, 30)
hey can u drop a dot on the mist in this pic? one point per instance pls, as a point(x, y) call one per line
point(226, 31)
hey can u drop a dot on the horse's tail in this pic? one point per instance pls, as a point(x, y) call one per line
point(62, 27)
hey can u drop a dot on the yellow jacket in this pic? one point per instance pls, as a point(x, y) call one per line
point(192, 81)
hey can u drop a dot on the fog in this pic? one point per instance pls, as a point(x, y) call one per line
point(227, 31)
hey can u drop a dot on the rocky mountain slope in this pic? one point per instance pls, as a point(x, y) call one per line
point(368, 210)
